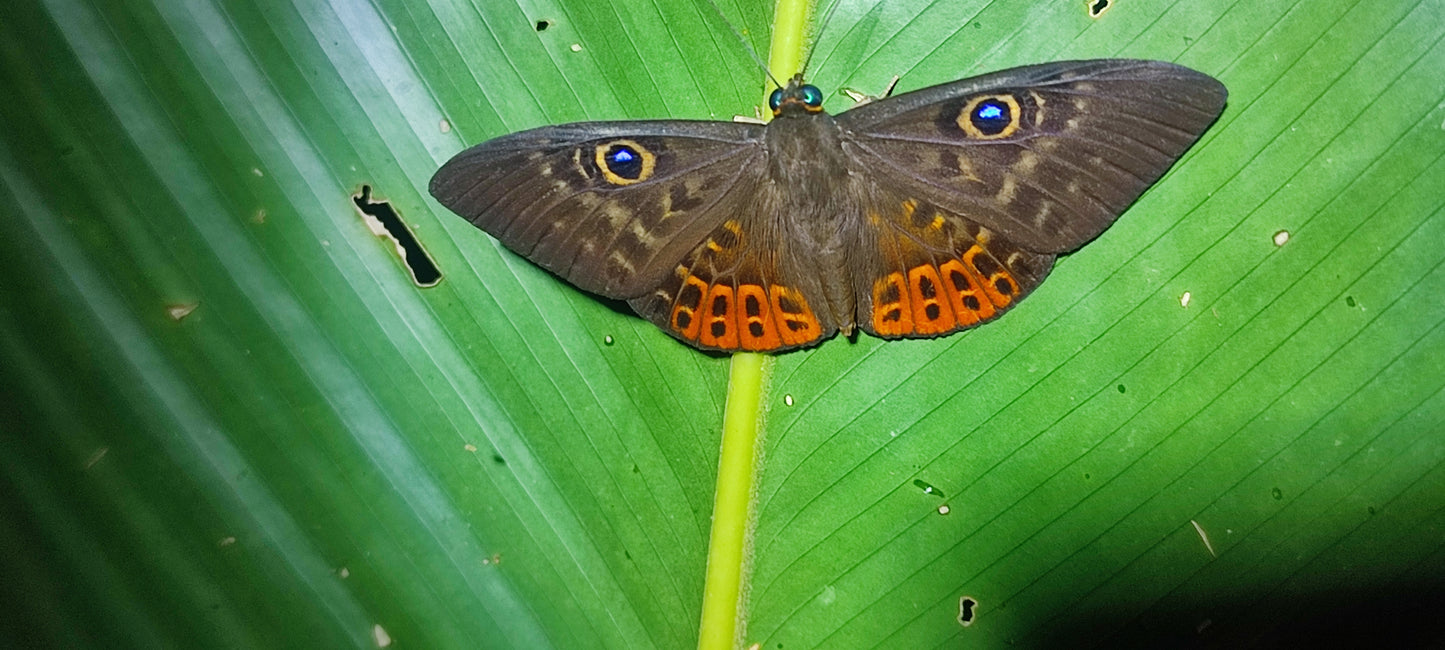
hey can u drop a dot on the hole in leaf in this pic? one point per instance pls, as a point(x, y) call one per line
point(927, 488)
point(385, 222)
point(966, 610)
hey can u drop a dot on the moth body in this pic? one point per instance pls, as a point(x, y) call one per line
point(813, 210)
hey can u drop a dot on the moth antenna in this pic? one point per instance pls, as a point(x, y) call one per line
point(821, 26)
point(747, 46)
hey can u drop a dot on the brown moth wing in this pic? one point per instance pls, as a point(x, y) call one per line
point(1079, 142)
point(747, 286)
point(614, 228)
point(916, 215)
point(923, 271)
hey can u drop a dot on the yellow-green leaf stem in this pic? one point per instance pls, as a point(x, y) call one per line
point(737, 462)
point(785, 56)
point(732, 505)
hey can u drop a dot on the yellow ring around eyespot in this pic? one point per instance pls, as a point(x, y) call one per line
point(965, 117)
point(648, 162)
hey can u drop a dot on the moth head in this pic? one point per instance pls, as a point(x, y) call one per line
point(797, 98)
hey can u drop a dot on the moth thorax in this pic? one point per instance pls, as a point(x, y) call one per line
point(804, 152)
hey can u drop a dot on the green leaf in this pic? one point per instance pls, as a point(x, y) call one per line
point(230, 418)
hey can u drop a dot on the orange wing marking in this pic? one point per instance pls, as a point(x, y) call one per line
point(795, 319)
point(965, 294)
point(931, 314)
point(719, 325)
point(748, 318)
point(939, 299)
point(891, 314)
point(997, 282)
point(756, 327)
point(685, 318)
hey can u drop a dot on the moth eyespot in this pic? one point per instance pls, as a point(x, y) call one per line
point(990, 117)
point(624, 162)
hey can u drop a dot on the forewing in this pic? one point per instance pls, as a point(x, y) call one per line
point(608, 206)
point(1044, 156)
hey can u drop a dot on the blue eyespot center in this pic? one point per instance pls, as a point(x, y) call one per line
point(624, 161)
point(991, 116)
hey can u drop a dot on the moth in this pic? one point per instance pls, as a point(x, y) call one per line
point(916, 215)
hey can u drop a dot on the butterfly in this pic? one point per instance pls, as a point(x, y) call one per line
point(917, 215)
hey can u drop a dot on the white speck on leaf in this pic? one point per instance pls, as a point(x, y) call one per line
point(177, 312)
point(95, 457)
point(1200, 529)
